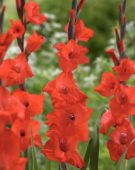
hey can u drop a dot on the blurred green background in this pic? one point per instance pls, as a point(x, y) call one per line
point(102, 16)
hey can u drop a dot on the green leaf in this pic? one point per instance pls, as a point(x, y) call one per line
point(94, 148)
point(28, 156)
point(34, 159)
point(47, 164)
point(87, 155)
point(122, 163)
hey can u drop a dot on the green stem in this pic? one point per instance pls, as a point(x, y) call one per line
point(121, 164)
point(2, 11)
point(126, 165)
point(34, 158)
point(47, 164)
point(94, 149)
point(63, 166)
point(71, 23)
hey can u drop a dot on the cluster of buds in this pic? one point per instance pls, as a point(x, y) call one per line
point(18, 107)
point(68, 123)
point(117, 120)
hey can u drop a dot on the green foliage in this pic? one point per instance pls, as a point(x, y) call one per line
point(101, 15)
point(34, 157)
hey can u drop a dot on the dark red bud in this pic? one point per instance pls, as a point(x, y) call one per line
point(81, 4)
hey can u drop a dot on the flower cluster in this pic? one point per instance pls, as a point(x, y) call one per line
point(18, 128)
point(68, 123)
point(122, 99)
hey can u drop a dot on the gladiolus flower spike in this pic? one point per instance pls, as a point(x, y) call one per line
point(68, 123)
point(122, 102)
point(18, 127)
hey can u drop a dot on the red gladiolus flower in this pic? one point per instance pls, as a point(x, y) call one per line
point(33, 103)
point(125, 69)
point(25, 131)
point(62, 149)
point(106, 122)
point(17, 29)
point(72, 118)
point(5, 41)
point(34, 42)
point(20, 164)
point(82, 33)
point(121, 138)
point(33, 14)
point(15, 71)
point(5, 119)
point(123, 103)
point(109, 85)
point(10, 104)
point(38, 140)
point(131, 151)
point(63, 90)
point(114, 57)
point(15, 107)
point(115, 150)
point(10, 152)
point(71, 55)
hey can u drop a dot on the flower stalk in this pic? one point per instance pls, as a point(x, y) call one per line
point(2, 11)
point(121, 104)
